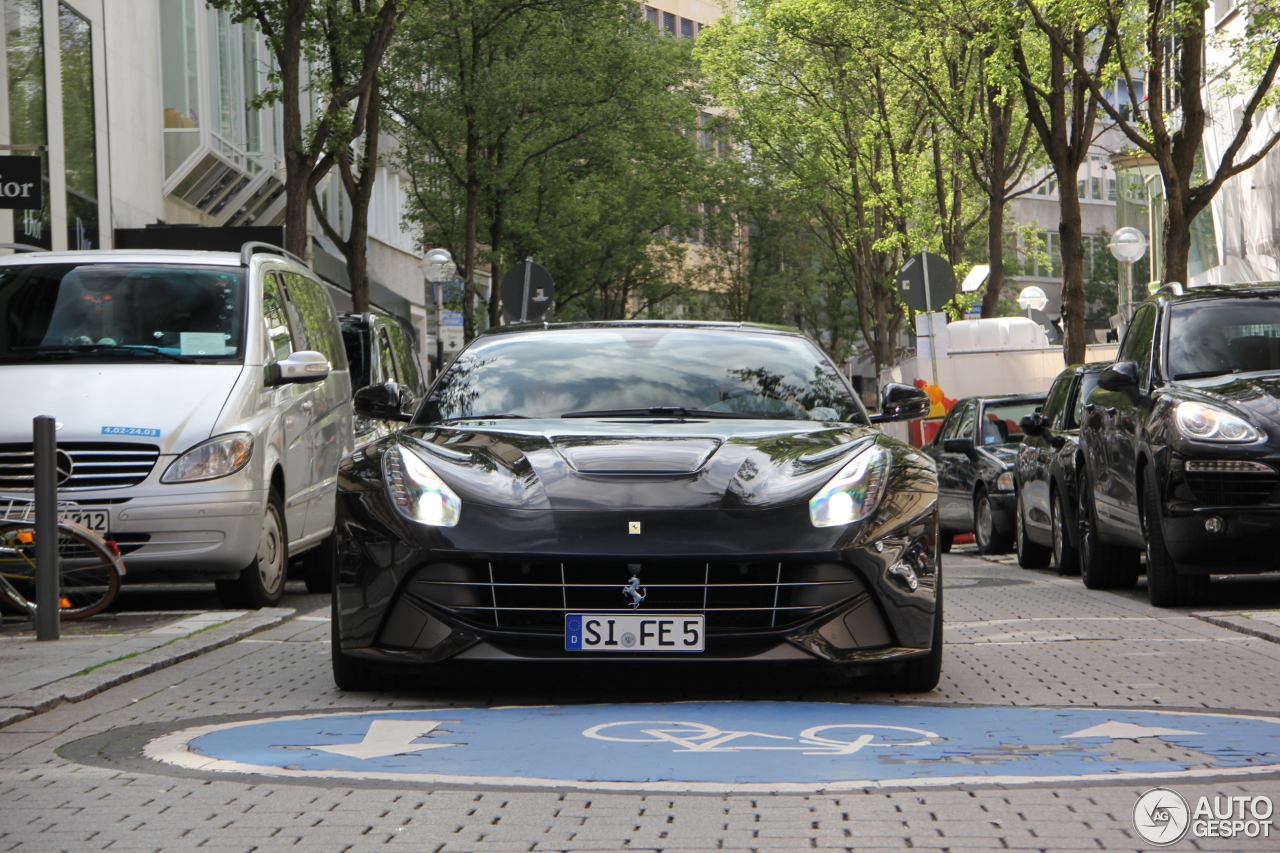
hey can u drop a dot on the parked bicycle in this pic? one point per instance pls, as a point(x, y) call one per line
point(89, 566)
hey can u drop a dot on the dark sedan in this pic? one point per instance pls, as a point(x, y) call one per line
point(1046, 472)
point(974, 451)
point(1182, 445)
point(641, 491)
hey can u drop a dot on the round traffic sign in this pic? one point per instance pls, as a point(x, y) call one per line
point(527, 291)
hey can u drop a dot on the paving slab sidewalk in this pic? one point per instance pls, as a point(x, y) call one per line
point(1264, 624)
point(37, 676)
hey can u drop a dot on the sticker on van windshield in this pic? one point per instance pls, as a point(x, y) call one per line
point(146, 431)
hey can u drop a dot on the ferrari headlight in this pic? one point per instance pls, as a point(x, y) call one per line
point(1207, 423)
point(416, 491)
point(217, 457)
point(855, 492)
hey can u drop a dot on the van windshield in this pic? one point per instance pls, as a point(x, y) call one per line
point(121, 312)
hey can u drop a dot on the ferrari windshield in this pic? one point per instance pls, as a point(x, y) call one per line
point(629, 371)
point(121, 312)
point(1210, 338)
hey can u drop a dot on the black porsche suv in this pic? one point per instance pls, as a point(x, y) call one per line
point(1181, 442)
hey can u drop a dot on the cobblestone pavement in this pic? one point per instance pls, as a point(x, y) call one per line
point(1015, 638)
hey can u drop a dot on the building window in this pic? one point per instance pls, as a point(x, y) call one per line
point(181, 82)
point(686, 28)
point(78, 128)
point(669, 22)
point(651, 15)
point(24, 53)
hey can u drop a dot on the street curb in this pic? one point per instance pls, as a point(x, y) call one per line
point(1237, 621)
point(77, 688)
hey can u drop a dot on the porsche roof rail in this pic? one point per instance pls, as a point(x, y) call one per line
point(248, 250)
point(22, 247)
point(1173, 287)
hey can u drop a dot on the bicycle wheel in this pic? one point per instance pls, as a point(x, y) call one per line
point(89, 570)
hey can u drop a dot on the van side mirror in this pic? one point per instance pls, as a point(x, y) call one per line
point(302, 366)
point(380, 402)
point(902, 403)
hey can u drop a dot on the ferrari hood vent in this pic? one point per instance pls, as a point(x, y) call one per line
point(621, 455)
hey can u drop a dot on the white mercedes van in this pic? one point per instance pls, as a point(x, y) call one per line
point(202, 402)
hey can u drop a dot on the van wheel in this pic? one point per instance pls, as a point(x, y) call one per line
point(1165, 587)
point(261, 583)
point(319, 563)
point(1102, 566)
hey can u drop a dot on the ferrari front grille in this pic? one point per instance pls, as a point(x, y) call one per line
point(534, 596)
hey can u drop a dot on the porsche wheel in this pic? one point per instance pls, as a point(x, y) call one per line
point(1031, 555)
point(1165, 587)
point(1102, 566)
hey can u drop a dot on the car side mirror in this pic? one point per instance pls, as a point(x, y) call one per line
point(960, 445)
point(380, 402)
point(1032, 424)
point(302, 366)
point(902, 403)
point(1119, 376)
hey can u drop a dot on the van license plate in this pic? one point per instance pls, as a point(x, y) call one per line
point(96, 520)
point(617, 632)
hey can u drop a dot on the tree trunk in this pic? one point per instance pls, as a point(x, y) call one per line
point(497, 235)
point(297, 166)
point(1072, 249)
point(357, 247)
point(1177, 241)
point(999, 123)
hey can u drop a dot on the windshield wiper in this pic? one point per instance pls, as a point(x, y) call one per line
point(483, 417)
point(93, 349)
point(1203, 373)
point(667, 411)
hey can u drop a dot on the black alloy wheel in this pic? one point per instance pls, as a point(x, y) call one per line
point(1031, 555)
point(1102, 566)
point(1165, 587)
point(985, 535)
point(1066, 555)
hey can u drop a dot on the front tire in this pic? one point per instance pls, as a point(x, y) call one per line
point(1102, 566)
point(1165, 587)
point(1066, 556)
point(985, 535)
point(348, 674)
point(1031, 555)
point(261, 583)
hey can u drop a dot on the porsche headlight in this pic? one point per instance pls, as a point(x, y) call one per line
point(416, 491)
point(217, 457)
point(855, 492)
point(1207, 423)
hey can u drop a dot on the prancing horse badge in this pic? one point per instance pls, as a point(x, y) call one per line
point(633, 527)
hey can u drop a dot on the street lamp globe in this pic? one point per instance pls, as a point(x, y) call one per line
point(1032, 298)
point(1128, 245)
point(438, 267)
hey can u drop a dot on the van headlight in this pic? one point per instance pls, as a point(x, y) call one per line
point(1208, 423)
point(217, 457)
point(855, 492)
point(417, 492)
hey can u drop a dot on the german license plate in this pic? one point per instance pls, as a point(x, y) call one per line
point(97, 520)
point(617, 632)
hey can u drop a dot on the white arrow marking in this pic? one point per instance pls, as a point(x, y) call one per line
point(388, 737)
point(1126, 731)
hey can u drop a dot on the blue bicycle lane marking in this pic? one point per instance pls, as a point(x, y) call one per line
point(764, 746)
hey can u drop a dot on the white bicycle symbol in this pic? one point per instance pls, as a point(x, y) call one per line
point(700, 737)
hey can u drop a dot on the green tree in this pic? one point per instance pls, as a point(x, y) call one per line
point(1164, 42)
point(327, 52)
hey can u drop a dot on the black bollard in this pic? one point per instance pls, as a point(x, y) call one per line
point(48, 573)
